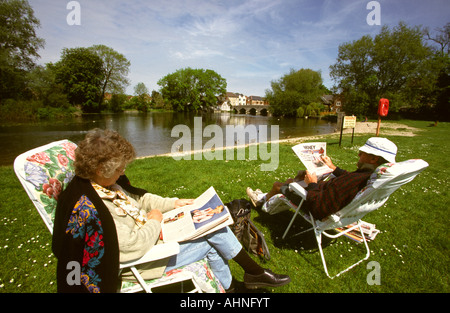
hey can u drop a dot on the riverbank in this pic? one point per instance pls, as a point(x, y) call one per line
point(361, 128)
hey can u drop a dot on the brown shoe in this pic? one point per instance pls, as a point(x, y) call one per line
point(266, 279)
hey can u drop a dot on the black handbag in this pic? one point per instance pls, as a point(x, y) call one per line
point(245, 230)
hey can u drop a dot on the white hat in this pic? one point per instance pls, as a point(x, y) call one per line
point(380, 147)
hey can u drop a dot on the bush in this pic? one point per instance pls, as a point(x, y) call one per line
point(117, 103)
point(31, 110)
point(19, 110)
point(47, 113)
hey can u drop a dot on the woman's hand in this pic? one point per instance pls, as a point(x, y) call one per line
point(183, 202)
point(155, 214)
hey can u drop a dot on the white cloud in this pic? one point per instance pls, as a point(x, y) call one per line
point(248, 42)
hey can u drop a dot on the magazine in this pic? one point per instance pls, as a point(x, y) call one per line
point(207, 214)
point(368, 229)
point(310, 154)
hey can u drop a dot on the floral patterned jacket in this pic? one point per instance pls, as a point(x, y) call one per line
point(85, 241)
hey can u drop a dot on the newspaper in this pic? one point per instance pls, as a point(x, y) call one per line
point(207, 214)
point(310, 154)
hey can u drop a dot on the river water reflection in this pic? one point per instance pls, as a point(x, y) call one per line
point(149, 133)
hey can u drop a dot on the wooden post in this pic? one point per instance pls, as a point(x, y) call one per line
point(340, 123)
point(342, 128)
point(378, 125)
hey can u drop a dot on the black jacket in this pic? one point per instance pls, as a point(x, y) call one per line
point(85, 239)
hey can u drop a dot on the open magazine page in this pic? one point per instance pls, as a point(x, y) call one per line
point(207, 214)
point(310, 153)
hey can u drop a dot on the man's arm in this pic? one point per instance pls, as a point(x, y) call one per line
point(321, 203)
point(329, 197)
point(336, 170)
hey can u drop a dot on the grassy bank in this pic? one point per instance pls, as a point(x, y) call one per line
point(412, 248)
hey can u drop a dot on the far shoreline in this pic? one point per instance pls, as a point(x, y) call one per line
point(362, 128)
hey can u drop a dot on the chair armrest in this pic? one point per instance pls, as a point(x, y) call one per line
point(158, 252)
point(299, 190)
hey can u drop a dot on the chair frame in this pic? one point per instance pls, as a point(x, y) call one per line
point(369, 199)
point(158, 252)
point(318, 235)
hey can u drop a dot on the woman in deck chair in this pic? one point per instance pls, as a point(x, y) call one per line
point(327, 197)
point(100, 188)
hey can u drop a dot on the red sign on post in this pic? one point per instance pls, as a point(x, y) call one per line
point(383, 107)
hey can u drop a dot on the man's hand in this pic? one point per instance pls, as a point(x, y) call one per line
point(155, 214)
point(310, 177)
point(328, 162)
point(300, 176)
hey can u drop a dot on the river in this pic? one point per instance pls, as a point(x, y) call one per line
point(149, 133)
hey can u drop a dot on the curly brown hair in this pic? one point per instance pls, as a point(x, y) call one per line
point(103, 150)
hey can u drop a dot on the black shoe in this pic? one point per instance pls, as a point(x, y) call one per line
point(266, 279)
point(236, 287)
point(231, 289)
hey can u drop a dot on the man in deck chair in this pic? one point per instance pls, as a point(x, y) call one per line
point(327, 197)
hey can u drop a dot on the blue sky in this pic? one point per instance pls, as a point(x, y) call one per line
point(248, 42)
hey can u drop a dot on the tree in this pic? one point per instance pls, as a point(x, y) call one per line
point(43, 86)
point(192, 89)
point(356, 70)
point(141, 93)
point(80, 72)
point(19, 45)
point(442, 38)
point(117, 102)
point(157, 100)
point(442, 108)
point(395, 63)
point(115, 68)
point(293, 91)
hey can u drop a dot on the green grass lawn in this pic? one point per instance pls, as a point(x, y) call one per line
point(412, 248)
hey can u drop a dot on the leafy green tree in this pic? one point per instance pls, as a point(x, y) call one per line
point(293, 91)
point(442, 108)
point(115, 69)
point(19, 45)
point(192, 89)
point(43, 86)
point(442, 51)
point(140, 101)
point(80, 72)
point(301, 112)
point(117, 103)
point(395, 62)
point(157, 101)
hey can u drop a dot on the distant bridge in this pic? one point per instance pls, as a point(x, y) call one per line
point(252, 109)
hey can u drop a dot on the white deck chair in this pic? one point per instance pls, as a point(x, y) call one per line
point(382, 183)
point(55, 160)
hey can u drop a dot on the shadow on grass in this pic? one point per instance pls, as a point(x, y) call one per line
point(277, 225)
point(304, 244)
